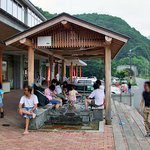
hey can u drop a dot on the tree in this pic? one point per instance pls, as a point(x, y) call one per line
point(121, 74)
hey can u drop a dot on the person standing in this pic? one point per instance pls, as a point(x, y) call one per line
point(146, 100)
point(1, 102)
point(30, 102)
point(129, 87)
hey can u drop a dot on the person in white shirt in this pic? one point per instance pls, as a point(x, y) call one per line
point(58, 89)
point(96, 98)
point(30, 102)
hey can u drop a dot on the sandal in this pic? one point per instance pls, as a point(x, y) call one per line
point(25, 133)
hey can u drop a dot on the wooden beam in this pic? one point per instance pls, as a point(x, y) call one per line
point(30, 66)
point(69, 52)
point(47, 51)
point(1, 63)
point(108, 80)
point(84, 57)
point(26, 42)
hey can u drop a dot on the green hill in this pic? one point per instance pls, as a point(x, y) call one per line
point(140, 44)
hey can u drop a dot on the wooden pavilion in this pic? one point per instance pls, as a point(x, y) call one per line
point(68, 39)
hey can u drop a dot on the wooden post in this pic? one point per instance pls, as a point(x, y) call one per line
point(53, 70)
point(108, 80)
point(76, 71)
point(51, 67)
point(80, 72)
point(30, 65)
point(1, 62)
point(71, 72)
point(62, 71)
point(48, 72)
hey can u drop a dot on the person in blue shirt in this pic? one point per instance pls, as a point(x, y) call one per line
point(1, 102)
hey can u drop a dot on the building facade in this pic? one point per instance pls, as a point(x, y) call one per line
point(17, 16)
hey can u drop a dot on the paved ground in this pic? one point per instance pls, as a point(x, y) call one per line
point(11, 137)
point(138, 92)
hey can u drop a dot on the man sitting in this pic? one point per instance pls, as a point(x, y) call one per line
point(30, 102)
point(96, 98)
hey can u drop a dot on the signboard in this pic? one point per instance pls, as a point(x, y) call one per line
point(44, 41)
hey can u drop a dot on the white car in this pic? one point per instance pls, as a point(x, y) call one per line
point(115, 90)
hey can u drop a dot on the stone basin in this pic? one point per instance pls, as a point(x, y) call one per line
point(67, 115)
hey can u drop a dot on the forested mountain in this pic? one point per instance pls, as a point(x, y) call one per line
point(137, 42)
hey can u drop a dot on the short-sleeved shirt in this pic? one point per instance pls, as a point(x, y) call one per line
point(29, 102)
point(58, 89)
point(146, 96)
point(98, 96)
point(1, 92)
point(49, 94)
point(72, 95)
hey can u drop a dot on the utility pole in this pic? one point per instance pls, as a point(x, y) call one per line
point(130, 55)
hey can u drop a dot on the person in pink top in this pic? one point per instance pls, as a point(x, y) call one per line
point(49, 93)
point(72, 96)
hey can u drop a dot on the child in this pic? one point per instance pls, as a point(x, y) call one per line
point(1, 102)
point(72, 95)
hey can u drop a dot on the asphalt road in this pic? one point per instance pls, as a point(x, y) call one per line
point(138, 90)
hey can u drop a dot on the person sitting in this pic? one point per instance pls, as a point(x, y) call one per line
point(49, 93)
point(100, 84)
point(54, 82)
point(96, 98)
point(65, 92)
point(30, 102)
point(58, 88)
point(60, 94)
point(72, 95)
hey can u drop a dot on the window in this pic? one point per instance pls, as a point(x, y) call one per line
point(20, 13)
point(3, 4)
point(15, 10)
point(32, 19)
point(9, 6)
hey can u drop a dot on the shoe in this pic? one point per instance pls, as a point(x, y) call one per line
point(147, 135)
point(2, 114)
point(33, 115)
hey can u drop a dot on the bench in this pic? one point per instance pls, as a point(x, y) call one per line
point(41, 117)
point(97, 113)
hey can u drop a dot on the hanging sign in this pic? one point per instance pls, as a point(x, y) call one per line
point(44, 41)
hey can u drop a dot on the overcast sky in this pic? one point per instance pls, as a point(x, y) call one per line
point(135, 12)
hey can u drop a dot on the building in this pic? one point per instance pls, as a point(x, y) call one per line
point(16, 16)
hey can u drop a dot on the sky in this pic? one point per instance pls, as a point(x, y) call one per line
point(135, 12)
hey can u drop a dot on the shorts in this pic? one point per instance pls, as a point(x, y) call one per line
point(28, 109)
point(94, 105)
point(54, 101)
point(1, 104)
